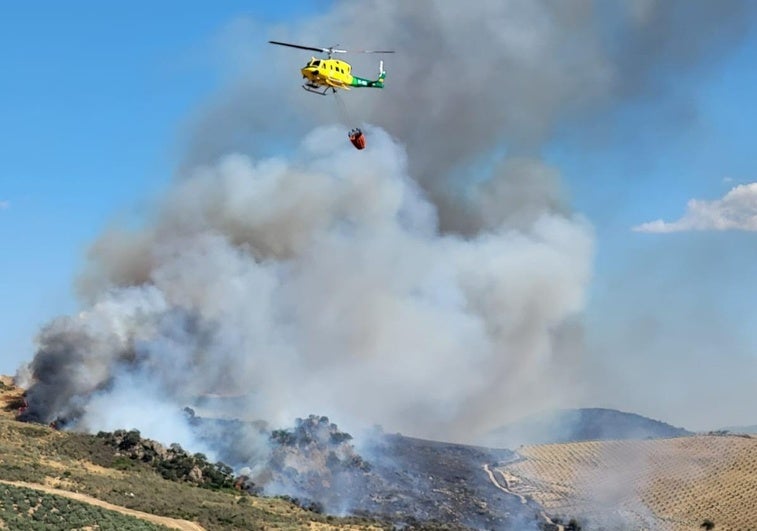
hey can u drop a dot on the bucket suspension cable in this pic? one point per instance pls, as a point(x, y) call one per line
point(355, 135)
point(344, 114)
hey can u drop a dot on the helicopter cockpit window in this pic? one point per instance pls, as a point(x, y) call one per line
point(316, 62)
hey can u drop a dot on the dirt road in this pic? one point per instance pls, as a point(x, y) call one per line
point(172, 523)
point(523, 499)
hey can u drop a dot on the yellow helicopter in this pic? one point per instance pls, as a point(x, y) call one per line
point(324, 75)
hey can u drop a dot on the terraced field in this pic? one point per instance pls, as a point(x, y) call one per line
point(673, 484)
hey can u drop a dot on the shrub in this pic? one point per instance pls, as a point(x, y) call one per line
point(130, 440)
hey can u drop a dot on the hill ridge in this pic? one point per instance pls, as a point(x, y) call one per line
point(581, 424)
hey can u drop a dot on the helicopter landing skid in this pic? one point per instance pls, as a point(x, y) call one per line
point(316, 89)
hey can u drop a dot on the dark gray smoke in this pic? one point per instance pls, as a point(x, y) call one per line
point(426, 283)
point(471, 82)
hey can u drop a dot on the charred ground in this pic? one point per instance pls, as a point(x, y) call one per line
point(403, 480)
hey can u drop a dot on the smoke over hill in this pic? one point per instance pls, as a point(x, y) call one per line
point(587, 424)
point(315, 284)
point(429, 283)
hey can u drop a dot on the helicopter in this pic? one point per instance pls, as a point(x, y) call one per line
point(327, 75)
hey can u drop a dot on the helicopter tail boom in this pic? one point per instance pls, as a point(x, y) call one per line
point(373, 83)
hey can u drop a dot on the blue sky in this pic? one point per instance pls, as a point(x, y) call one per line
point(94, 97)
point(684, 302)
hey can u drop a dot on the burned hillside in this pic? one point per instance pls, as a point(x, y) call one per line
point(404, 480)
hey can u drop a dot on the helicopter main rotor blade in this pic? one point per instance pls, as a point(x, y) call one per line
point(323, 50)
point(327, 50)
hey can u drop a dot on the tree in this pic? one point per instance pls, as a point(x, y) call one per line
point(130, 440)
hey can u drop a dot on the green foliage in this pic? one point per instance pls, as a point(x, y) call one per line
point(126, 450)
point(123, 463)
point(173, 463)
point(22, 508)
point(130, 440)
point(16, 472)
point(34, 431)
point(219, 476)
point(283, 437)
point(83, 446)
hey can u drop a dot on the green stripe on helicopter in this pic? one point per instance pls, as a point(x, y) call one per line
point(361, 82)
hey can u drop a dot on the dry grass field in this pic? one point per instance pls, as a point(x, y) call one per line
point(670, 484)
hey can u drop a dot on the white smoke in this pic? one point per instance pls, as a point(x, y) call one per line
point(320, 284)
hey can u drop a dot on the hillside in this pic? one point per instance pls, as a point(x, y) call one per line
point(405, 482)
point(666, 484)
point(402, 480)
point(86, 465)
point(587, 424)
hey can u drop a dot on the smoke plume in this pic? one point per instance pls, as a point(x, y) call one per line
point(318, 283)
point(471, 83)
point(426, 283)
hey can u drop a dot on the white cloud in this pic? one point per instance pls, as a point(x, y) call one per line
point(737, 210)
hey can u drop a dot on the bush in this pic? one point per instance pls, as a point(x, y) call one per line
point(130, 440)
